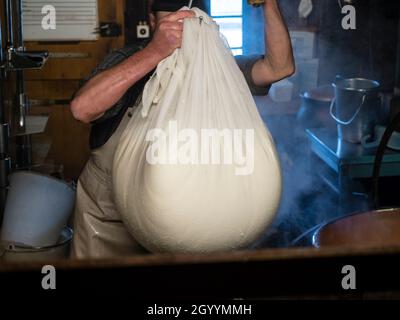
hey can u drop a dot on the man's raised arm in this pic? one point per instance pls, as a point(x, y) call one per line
point(278, 62)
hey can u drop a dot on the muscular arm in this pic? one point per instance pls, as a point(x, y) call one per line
point(104, 90)
point(107, 88)
point(278, 62)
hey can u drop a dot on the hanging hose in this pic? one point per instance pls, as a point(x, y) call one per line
point(379, 157)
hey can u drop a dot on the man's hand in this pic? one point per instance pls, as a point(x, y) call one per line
point(104, 90)
point(169, 33)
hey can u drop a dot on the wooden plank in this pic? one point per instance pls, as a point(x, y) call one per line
point(253, 256)
point(51, 89)
point(70, 68)
point(69, 139)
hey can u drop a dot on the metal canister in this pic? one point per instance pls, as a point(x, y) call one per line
point(357, 103)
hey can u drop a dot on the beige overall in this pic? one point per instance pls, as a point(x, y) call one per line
point(98, 228)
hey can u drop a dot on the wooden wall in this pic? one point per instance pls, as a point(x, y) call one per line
point(58, 80)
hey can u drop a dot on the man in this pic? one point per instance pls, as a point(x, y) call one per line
point(115, 87)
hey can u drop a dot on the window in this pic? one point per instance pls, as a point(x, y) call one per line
point(229, 16)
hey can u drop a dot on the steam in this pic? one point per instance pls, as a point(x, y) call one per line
point(368, 52)
point(306, 201)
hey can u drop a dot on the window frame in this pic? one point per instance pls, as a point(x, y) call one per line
point(241, 16)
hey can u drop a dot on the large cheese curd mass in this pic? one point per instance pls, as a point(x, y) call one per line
point(196, 169)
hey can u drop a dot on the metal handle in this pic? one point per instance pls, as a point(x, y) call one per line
point(369, 145)
point(342, 122)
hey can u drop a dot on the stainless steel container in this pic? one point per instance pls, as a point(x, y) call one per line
point(357, 105)
point(314, 110)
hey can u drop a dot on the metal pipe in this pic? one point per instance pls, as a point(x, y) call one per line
point(379, 158)
point(19, 25)
point(4, 136)
point(397, 76)
point(9, 12)
point(2, 76)
point(24, 144)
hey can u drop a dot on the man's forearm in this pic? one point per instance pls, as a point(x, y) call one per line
point(278, 62)
point(106, 89)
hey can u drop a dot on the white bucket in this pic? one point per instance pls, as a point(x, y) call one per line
point(59, 251)
point(37, 209)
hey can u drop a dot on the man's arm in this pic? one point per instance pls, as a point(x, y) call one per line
point(105, 89)
point(278, 63)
